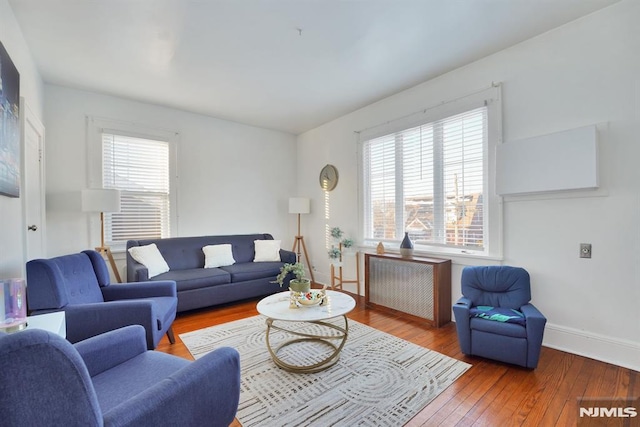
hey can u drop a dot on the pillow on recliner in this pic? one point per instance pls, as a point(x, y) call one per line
point(150, 257)
point(218, 256)
point(498, 314)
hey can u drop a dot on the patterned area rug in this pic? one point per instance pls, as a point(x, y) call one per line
point(380, 380)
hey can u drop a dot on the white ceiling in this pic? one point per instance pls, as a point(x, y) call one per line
point(289, 65)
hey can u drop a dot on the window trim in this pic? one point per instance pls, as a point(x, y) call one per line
point(95, 127)
point(492, 98)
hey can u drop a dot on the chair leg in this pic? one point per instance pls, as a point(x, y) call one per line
point(172, 339)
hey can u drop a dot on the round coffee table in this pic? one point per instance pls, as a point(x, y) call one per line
point(276, 308)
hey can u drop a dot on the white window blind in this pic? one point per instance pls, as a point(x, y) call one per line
point(139, 168)
point(428, 180)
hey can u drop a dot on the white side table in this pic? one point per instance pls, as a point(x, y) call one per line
point(52, 322)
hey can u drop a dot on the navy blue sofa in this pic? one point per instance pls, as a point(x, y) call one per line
point(112, 380)
point(200, 287)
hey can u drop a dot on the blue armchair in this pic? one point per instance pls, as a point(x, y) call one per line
point(79, 285)
point(494, 317)
point(112, 379)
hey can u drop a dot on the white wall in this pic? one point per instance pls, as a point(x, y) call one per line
point(31, 88)
point(233, 178)
point(586, 72)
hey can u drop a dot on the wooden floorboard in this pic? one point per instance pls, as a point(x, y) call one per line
point(488, 394)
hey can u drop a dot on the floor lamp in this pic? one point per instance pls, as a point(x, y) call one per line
point(300, 205)
point(103, 200)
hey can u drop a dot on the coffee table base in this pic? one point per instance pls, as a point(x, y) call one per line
point(327, 362)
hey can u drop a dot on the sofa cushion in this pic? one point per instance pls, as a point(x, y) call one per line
point(241, 272)
point(131, 378)
point(150, 257)
point(218, 255)
point(267, 251)
point(196, 278)
point(75, 271)
point(499, 328)
point(498, 314)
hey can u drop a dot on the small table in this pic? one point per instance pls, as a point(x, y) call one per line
point(276, 308)
point(52, 322)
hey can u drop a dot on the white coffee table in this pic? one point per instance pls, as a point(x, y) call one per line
point(276, 309)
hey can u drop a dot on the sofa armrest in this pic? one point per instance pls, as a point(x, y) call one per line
point(287, 256)
point(535, 333)
point(134, 290)
point(463, 323)
point(137, 272)
point(104, 351)
point(464, 302)
point(461, 311)
point(535, 321)
point(205, 392)
point(88, 320)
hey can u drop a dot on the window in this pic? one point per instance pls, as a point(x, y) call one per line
point(139, 168)
point(430, 177)
point(140, 161)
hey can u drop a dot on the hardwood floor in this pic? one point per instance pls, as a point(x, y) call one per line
point(488, 394)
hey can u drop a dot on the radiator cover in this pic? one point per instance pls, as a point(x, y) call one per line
point(417, 286)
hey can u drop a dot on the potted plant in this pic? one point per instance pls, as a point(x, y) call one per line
point(336, 233)
point(334, 253)
point(297, 284)
point(347, 243)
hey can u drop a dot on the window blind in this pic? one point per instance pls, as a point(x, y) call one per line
point(139, 168)
point(428, 180)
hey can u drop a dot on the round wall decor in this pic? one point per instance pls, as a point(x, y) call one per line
point(328, 178)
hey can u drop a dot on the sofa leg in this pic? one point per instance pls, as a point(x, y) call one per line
point(172, 339)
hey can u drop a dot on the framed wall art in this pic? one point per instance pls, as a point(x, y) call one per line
point(9, 126)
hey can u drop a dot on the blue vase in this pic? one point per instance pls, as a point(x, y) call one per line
point(406, 246)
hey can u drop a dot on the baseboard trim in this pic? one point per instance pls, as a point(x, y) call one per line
point(618, 352)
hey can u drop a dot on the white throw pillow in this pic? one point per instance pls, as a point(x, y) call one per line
point(150, 257)
point(218, 256)
point(267, 250)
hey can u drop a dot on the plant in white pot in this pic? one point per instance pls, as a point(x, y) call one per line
point(299, 283)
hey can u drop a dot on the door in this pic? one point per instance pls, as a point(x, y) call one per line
point(33, 184)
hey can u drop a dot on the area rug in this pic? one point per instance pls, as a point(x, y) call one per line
point(380, 380)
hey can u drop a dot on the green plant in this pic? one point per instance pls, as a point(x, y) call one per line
point(297, 269)
point(336, 233)
point(347, 243)
point(334, 253)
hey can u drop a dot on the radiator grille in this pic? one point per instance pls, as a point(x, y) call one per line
point(402, 285)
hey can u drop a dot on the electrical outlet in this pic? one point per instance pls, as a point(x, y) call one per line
point(585, 250)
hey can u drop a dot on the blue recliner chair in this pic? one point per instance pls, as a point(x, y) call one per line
point(494, 318)
point(79, 285)
point(112, 380)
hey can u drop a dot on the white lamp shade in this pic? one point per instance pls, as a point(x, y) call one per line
point(100, 200)
point(299, 205)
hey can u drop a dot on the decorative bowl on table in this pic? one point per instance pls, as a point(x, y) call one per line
point(311, 298)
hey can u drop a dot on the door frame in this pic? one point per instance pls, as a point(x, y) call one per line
point(30, 120)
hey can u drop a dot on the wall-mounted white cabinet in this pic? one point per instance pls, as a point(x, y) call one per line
point(559, 161)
